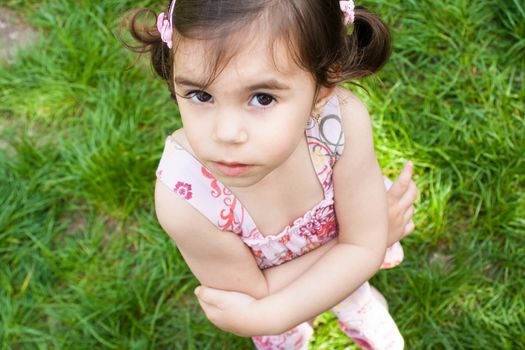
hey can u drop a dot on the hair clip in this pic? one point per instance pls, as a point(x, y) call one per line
point(165, 27)
point(348, 9)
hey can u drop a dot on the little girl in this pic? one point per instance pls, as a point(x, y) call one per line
point(272, 151)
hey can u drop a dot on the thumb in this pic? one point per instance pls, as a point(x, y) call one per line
point(400, 186)
point(208, 295)
point(408, 169)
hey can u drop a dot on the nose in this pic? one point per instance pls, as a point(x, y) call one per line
point(229, 127)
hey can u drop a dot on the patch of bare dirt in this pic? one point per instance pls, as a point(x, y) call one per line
point(15, 34)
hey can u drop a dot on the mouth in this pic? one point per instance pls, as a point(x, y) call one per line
point(232, 163)
point(231, 169)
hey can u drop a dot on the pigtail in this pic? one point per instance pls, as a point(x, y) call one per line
point(148, 41)
point(367, 47)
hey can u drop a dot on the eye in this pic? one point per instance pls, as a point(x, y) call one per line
point(199, 97)
point(262, 100)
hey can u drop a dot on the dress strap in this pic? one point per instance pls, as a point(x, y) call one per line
point(326, 140)
point(331, 127)
point(189, 179)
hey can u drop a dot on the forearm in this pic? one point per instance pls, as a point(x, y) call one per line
point(331, 279)
point(268, 281)
point(281, 276)
point(254, 285)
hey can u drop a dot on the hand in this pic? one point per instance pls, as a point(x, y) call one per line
point(230, 311)
point(400, 198)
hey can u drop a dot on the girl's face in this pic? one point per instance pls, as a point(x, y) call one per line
point(251, 119)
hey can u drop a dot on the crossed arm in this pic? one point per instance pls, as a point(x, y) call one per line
point(231, 283)
point(333, 274)
point(297, 289)
point(226, 308)
point(400, 198)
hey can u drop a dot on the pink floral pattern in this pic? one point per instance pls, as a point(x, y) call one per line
point(216, 190)
point(183, 189)
point(322, 224)
point(314, 229)
point(364, 318)
point(231, 215)
point(192, 180)
point(295, 339)
point(230, 221)
point(187, 177)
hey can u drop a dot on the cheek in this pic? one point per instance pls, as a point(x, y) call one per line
point(280, 141)
point(278, 147)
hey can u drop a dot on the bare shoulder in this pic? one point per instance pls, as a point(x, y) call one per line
point(218, 259)
point(179, 136)
point(353, 110)
point(356, 122)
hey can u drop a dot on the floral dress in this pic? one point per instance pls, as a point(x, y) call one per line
point(192, 181)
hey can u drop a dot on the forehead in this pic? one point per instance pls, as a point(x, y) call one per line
point(244, 55)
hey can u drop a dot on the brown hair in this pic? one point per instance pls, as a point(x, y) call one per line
point(313, 30)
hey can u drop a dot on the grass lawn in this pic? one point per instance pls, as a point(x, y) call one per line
point(84, 264)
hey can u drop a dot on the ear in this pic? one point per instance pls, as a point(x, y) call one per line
point(323, 96)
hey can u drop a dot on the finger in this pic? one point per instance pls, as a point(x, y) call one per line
point(204, 306)
point(210, 311)
point(401, 184)
point(410, 195)
point(409, 228)
point(210, 296)
point(408, 214)
point(406, 173)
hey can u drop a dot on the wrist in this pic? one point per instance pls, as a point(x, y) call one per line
point(262, 320)
point(273, 317)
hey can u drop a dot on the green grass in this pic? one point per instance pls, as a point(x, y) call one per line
point(84, 264)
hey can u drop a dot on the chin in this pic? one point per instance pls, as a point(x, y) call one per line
point(241, 181)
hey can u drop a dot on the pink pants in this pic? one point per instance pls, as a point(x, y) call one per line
point(361, 316)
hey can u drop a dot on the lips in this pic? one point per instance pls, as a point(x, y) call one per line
point(231, 164)
point(231, 169)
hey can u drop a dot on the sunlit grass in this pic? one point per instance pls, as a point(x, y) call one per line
point(84, 264)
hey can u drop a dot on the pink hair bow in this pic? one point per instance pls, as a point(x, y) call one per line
point(165, 27)
point(348, 9)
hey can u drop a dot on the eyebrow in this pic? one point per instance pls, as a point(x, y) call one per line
point(270, 84)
